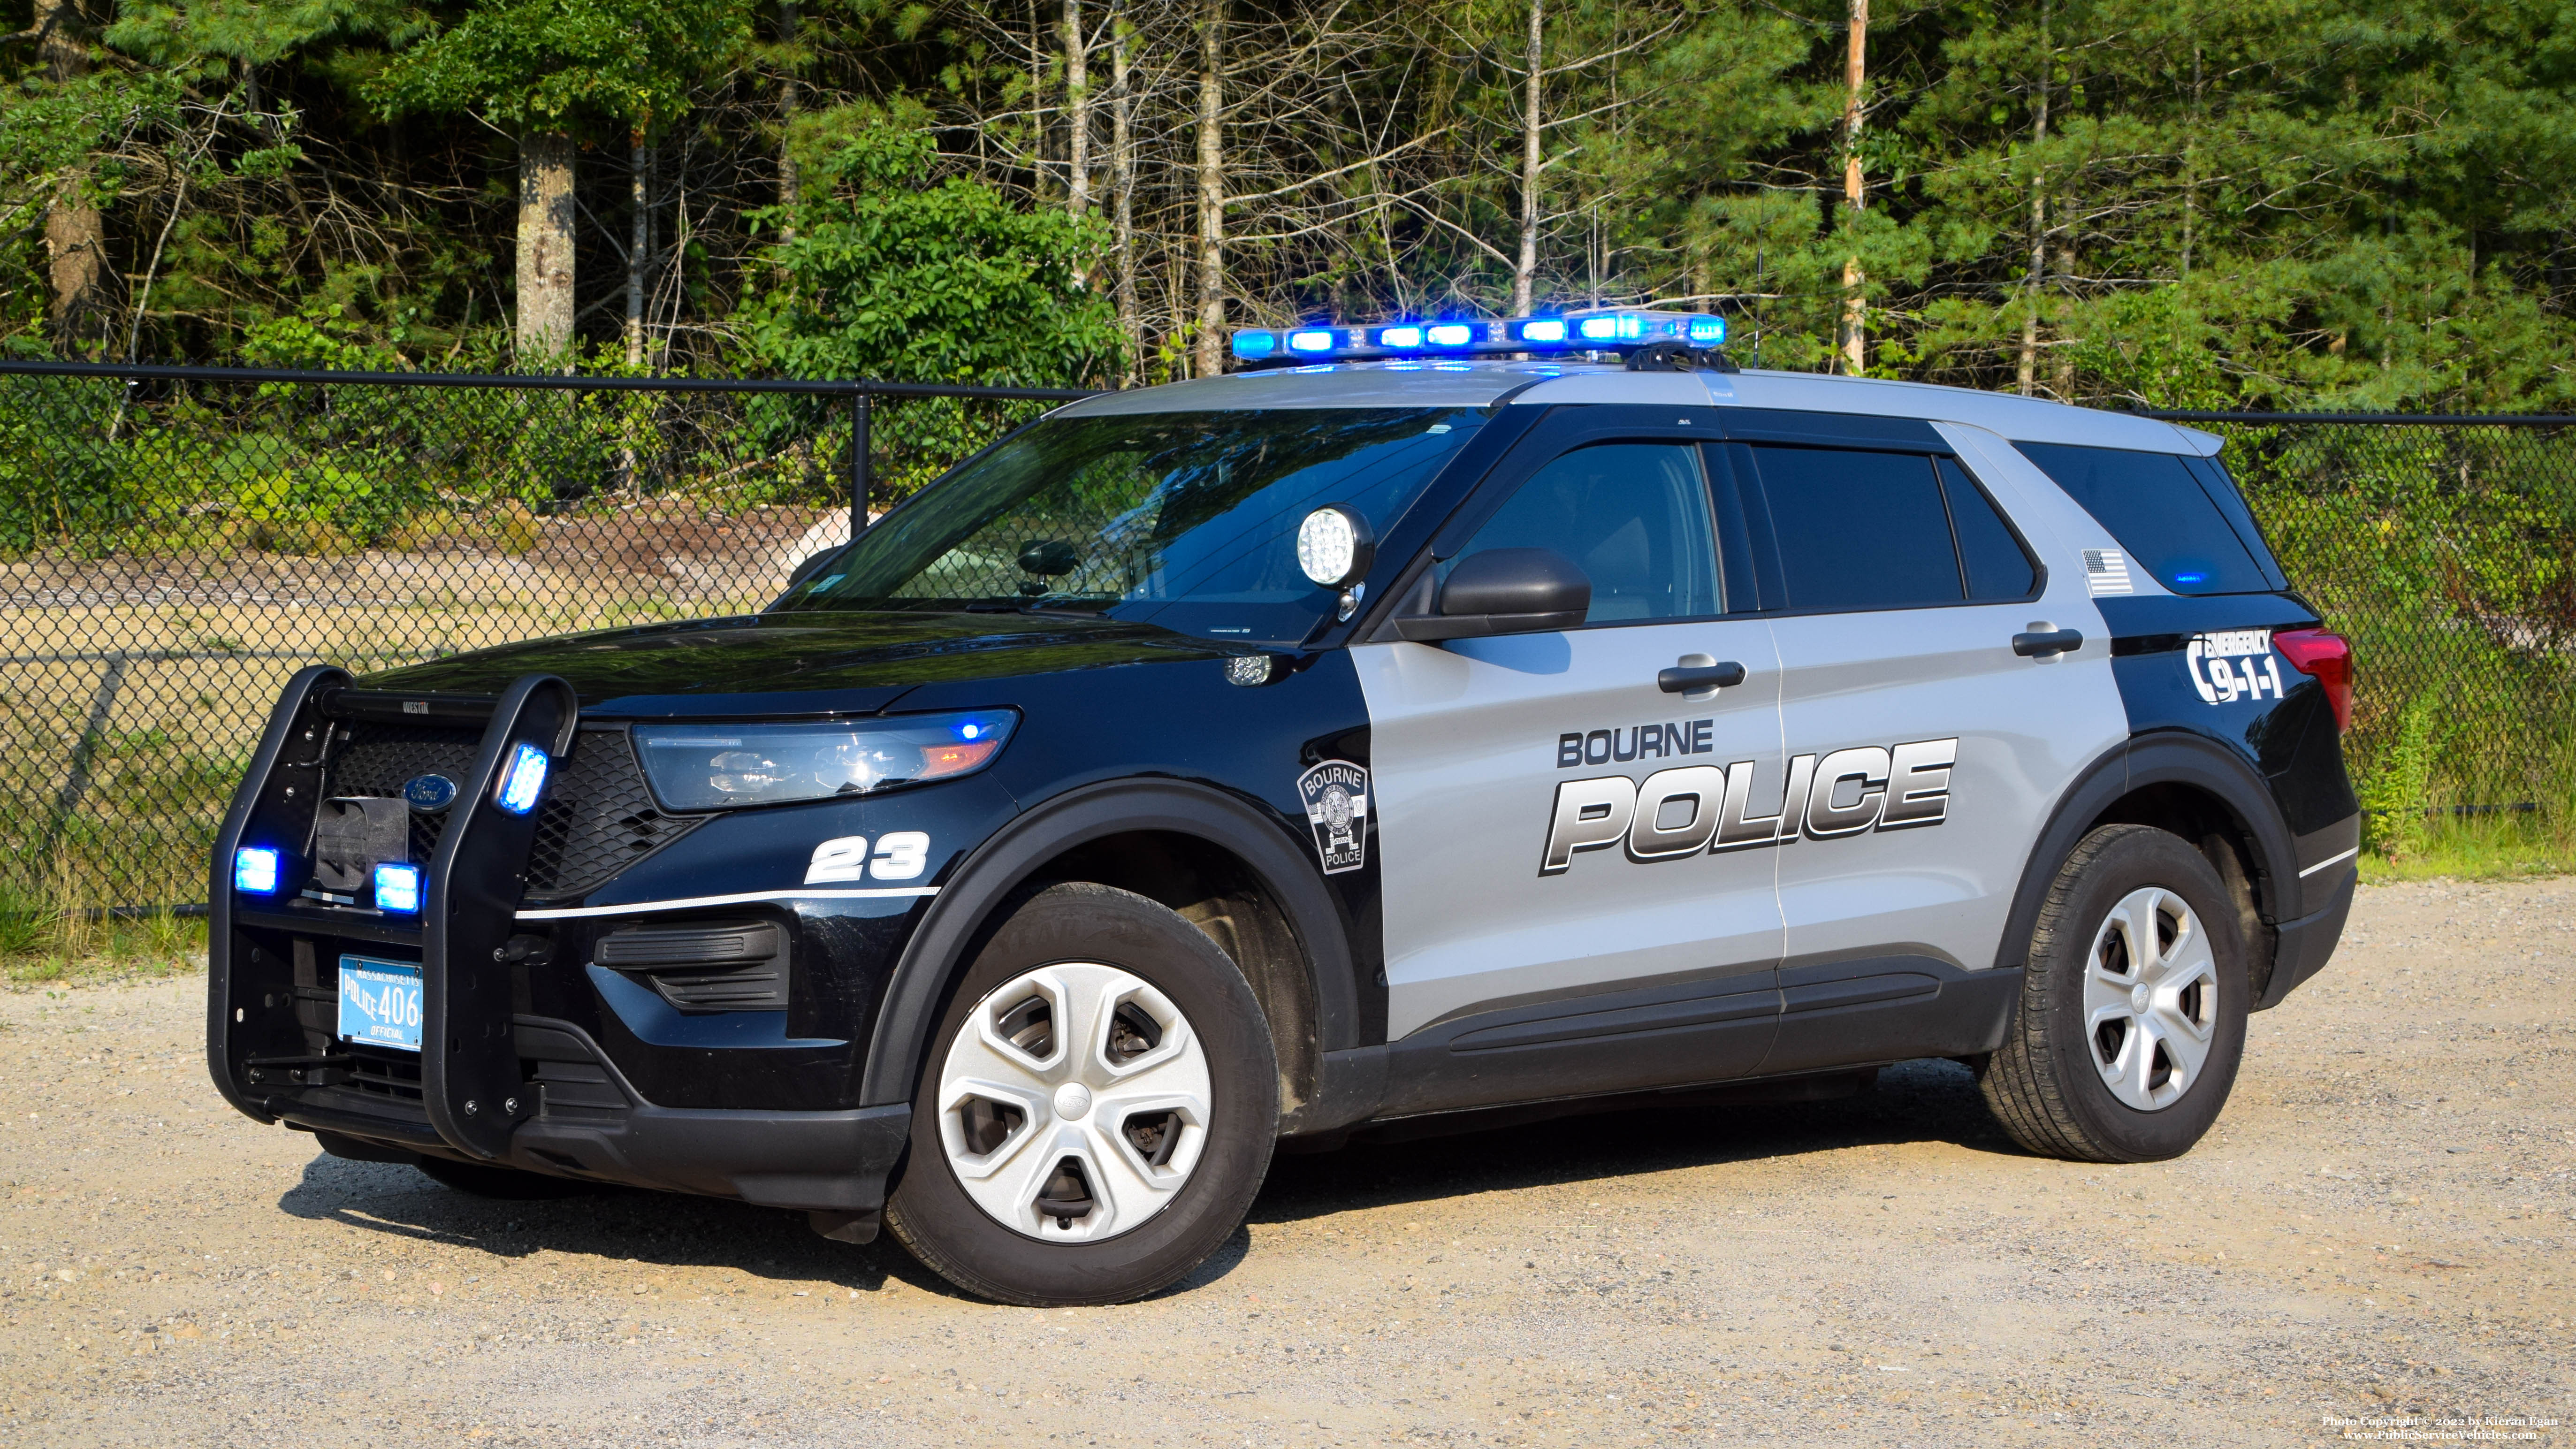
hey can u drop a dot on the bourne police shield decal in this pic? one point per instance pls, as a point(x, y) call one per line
point(429, 794)
point(1336, 796)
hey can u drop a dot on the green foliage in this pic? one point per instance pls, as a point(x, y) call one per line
point(895, 275)
point(598, 66)
point(2398, 795)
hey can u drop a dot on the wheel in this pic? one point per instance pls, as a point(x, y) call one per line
point(484, 1180)
point(1097, 1111)
point(2133, 1005)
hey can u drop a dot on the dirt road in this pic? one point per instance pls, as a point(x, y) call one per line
point(2380, 1225)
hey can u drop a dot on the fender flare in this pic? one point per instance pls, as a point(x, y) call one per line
point(2161, 758)
point(939, 949)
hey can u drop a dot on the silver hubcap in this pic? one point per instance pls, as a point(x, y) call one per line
point(1074, 1102)
point(2150, 999)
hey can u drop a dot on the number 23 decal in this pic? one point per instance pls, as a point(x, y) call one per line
point(900, 855)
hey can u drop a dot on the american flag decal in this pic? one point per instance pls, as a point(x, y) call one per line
point(2106, 571)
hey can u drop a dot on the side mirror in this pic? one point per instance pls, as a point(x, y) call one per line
point(1505, 591)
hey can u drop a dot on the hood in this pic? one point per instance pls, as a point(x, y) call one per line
point(796, 663)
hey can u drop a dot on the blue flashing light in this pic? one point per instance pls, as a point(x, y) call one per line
point(525, 780)
point(970, 730)
point(1596, 330)
point(256, 869)
point(2190, 577)
point(398, 887)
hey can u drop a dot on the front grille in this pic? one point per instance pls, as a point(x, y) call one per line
point(598, 818)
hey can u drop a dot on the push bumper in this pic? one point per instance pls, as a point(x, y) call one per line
point(491, 1084)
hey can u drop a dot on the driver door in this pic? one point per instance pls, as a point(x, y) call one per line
point(1557, 915)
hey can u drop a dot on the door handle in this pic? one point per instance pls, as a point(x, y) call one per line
point(2042, 642)
point(1683, 678)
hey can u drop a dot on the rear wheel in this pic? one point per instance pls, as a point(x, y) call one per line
point(1098, 1110)
point(2132, 1018)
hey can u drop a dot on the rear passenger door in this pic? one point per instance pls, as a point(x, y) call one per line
point(1933, 751)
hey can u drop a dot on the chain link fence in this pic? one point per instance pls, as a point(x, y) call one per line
point(2446, 548)
point(174, 542)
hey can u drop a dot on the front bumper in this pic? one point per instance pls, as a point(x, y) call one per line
point(495, 1082)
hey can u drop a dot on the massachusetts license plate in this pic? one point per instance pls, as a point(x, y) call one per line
point(380, 1002)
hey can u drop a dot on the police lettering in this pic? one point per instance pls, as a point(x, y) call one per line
point(1636, 742)
point(1701, 809)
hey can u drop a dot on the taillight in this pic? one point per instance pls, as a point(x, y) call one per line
point(2325, 657)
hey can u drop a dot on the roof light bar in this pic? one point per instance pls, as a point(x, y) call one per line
point(1614, 330)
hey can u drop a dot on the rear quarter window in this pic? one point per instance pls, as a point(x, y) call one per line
point(2157, 506)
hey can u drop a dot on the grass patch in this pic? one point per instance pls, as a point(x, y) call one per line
point(2490, 847)
point(51, 932)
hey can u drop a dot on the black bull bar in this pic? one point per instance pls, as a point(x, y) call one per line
point(472, 1092)
point(271, 1038)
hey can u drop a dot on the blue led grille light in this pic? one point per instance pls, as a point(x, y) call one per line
point(1611, 330)
point(255, 870)
point(398, 887)
point(525, 780)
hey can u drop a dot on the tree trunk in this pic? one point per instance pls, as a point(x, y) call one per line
point(75, 233)
point(2026, 374)
point(639, 243)
point(1077, 106)
point(1525, 269)
point(1122, 181)
point(1855, 339)
point(788, 192)
point(545, 273)
point(1210, 351)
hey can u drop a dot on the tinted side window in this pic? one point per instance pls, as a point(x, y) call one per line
point(1858, 530)
point(1995, 564)
point(2158, 511)
point(1633, 515)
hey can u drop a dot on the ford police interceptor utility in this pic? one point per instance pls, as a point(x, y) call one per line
point(1421, 719)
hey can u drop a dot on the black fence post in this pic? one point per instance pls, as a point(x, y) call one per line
point(858, 464)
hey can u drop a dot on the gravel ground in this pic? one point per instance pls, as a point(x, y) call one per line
point(2379, 1226)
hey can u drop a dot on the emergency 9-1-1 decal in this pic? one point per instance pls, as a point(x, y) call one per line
point(2237, 664)
point(1696, 809)
point(1336, 796)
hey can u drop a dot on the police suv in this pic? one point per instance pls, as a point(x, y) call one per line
point(1421, 719)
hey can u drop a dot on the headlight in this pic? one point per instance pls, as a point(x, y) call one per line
point(710, 767)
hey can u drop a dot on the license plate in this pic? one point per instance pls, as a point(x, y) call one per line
point(380, 1003)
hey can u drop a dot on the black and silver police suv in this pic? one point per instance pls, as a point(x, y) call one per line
point(1402, 730)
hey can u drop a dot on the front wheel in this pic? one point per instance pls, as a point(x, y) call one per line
point(1098, 1109)
point(2132, 1018)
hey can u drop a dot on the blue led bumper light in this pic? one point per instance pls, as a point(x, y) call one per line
point(524, 780)
point(1609, 330)
point(256, 869)
point(398, 888)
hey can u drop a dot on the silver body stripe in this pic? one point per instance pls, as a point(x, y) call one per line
point(637, 908)
point(2330, 860)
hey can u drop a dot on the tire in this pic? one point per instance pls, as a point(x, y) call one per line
point(2098, 1064)
point(507, 1183)
point(1168, 1137)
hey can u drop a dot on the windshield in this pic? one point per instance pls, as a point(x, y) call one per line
point(1186, 519)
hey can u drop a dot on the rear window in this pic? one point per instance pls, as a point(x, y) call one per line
point(2159, 509)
